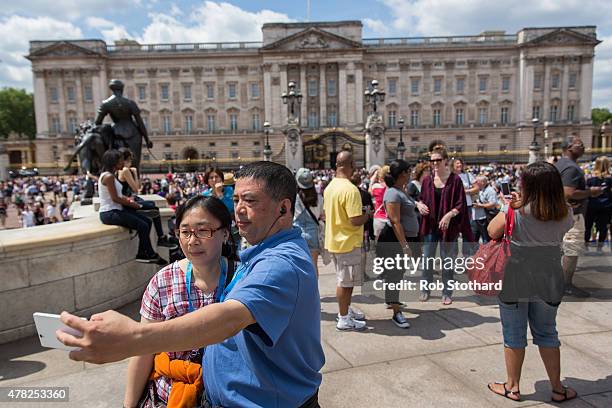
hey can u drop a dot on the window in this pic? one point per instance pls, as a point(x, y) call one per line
point(88, 94)
point(54, 94)
point(503, 148)
point(437, 86)
point(231, 91)
point(235, 155)
point(392, 119)
point(536, 112)
point(571, 112)
point(482, 137)
point(55, 125)
point(234, 144)
point(482, 148)
point(331, 87)
point(537, 81)
point(210, 119)
point(436, 117)
point(233, 122)
point(554, 83)
point(142, 92)
point(505, 84)
point(460, 85)
point(188, 124)
point(332, 119)
point(392, 87)
point(504, 115)
point(554, 113)
point(210, 91)
point(459, 137)
point(164, 92)
point(187, 92)
point(414, 117)
point(414, 138)
point(254, 90)
point(482, 84)
point(414, 86)
point(70, 94)
point(312, 120)
point(167, 123)
point(483, 115)
point(72, 125)
point(212, 144)
point(459, 116)
point(255, 119)
point(312, 87)
point(256, 143)
point(572, 80)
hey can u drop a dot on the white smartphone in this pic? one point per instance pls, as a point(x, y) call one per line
point(505, 187)
point(46, 326)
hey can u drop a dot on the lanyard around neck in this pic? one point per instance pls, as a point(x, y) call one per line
point(220, 285)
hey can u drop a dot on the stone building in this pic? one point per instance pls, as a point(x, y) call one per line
point(206, 103)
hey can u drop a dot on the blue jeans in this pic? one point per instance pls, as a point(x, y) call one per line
point(447, 250)
point(134, 221)
point(542, 319)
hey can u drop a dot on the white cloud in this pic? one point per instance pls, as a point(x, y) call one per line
point(602, 78)
point(109, 30)
point(377, 26)
point(15, 34)
point(66, 9)
point(175, 11)
point(211, 22)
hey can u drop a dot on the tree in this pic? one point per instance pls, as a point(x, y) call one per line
point(17, 113)
point(600, 115)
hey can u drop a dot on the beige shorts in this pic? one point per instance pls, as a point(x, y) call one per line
point(573, 241)
point(349, 269)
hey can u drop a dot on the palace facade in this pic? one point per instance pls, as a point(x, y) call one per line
point(206, 103)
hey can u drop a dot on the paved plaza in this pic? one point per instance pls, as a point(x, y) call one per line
point(445, 359)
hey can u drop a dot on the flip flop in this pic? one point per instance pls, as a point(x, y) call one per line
point(564, 394)
point(507, 392)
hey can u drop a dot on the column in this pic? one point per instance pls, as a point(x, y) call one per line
point(351, 90)
point(278, 119)
point(61, 101)
point(564, 89)
point(304, 91)
point(267, 91)
point(586, 88)
point(545, 114)
point(342, 94)
point(79, 96)
point(525, 90)
point(40, 103)
point(103, 84)
point(284, 85)
point(322, 95)
point(359, 93)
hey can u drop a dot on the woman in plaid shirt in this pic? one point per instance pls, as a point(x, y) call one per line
point(203, 226)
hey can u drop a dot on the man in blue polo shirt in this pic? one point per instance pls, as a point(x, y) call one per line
point(264, 340)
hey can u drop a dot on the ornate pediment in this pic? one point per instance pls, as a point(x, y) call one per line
point(312, 39)
point(62, 49)
point(563, 36)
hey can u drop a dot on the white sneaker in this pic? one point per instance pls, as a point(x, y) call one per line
point(356, 313)
point(400, 320)
point(347, 323)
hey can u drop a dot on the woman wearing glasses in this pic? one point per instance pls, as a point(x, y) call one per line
point(203, 228)
point(444, 215)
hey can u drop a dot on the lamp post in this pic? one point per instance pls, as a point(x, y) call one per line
point(534, 148)
point(291, 97)
point(374, 95)
point(401, 148)
point(602, 135)
point(267, 152)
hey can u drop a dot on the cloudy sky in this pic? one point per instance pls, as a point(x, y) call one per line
point(158, 21)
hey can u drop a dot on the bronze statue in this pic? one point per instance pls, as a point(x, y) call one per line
point(128, 127)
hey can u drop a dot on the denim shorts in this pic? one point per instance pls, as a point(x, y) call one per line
point(541, 317)
point(311, 234)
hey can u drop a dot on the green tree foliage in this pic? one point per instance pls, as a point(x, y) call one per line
point(17, 113)
point(600, 115)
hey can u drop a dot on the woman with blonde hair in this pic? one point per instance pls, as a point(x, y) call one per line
point(599, 208)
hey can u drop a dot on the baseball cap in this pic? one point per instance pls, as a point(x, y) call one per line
point(303, 177)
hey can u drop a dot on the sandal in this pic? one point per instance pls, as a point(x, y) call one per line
point(564, 394)
point(507, 392)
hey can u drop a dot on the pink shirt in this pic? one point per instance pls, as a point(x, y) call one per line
point(378, 192)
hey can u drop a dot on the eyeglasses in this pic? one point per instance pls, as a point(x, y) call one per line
point(200, 233)
point(435, 160)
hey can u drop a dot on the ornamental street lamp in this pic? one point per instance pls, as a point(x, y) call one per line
point(374, 95)
point(267, 152)
point(291, 97)
point(535, 122)
point(534, 148)
point(401, 148)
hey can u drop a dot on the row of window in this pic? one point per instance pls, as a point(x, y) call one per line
point(415, 85)
point(164, 91)
point(71, 94)
point(555, 113)
point(415, 117)
point(555, 81)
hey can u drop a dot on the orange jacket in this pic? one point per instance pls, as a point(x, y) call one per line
point(186, 379)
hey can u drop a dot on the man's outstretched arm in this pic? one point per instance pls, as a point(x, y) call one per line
point(111, 336)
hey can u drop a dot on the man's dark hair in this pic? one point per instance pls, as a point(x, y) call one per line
point(278, 180)
point(110, 158)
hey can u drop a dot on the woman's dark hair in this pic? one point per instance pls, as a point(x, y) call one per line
point(218, 210)
point(441, 150)
point(435, 143)
point(309, 196)
point(211, 171)
point(110, 158)
point(126, 153)
point(542, 190)
point(396, 168)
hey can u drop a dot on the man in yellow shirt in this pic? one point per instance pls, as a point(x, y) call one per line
point(344, 219)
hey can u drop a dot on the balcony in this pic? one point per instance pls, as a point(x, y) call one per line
point(442, 42)
point(252, 46)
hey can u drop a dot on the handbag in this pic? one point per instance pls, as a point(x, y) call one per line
point(493, 256)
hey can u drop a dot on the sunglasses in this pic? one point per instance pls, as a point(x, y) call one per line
point(435, 160)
